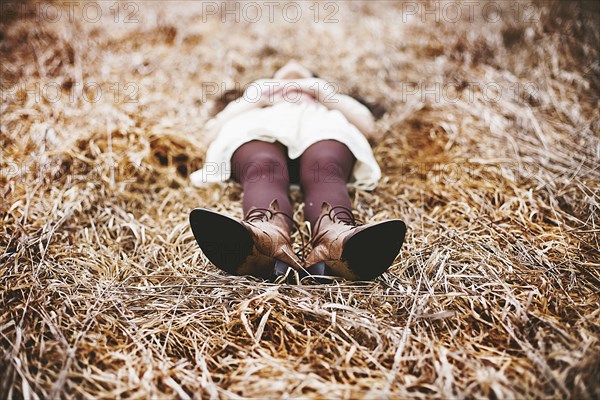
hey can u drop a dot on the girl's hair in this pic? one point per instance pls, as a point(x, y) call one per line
point(226, 98)
point(230, 95)
point(376, 108)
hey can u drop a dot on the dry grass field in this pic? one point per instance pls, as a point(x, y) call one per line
point(490, 149)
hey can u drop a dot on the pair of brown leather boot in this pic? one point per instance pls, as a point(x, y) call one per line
point(260, 244)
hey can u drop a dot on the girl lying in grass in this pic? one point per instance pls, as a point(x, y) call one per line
point(294, 128)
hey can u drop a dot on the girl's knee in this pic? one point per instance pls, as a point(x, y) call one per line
point(330, 162)
point(263, 165)
point(323, 171)
point(259, 160)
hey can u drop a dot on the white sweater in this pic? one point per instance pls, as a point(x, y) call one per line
point(266, 92)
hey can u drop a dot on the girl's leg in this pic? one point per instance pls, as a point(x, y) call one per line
point(325, 168)
point(261, 168)
point(260, 244)
point(338, 248)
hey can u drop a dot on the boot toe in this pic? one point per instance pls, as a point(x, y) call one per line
point(225, 241)
point(371, 251)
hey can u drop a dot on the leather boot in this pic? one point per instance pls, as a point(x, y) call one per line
point(251, 246)
point(354, 252)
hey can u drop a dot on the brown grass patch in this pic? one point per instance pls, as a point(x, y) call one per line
point(104, 293)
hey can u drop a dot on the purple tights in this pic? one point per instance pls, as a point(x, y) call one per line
point(264, 171)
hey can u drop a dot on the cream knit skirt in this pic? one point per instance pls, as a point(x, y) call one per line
point(296, 126)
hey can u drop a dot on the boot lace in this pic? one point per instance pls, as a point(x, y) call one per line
point(265, 214)
point(346, 213)
point(260, 214)
point(333, 215)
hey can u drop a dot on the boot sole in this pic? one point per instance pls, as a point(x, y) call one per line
point(371, 252)
point(224, 240)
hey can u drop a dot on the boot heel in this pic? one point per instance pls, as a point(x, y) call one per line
point(318, 273)
point(284, 273)
point(281, 268)
point(317, 269)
